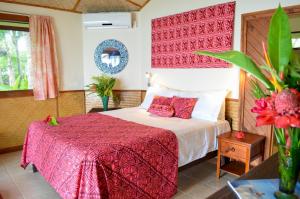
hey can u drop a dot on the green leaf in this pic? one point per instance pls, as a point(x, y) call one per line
point(104, 85)
point(256, 90)
point(241, 60)
point(53, 122)
point(294, 67)
point(279, 40)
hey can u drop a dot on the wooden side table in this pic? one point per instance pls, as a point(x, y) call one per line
point(94, 110)
point(241, 152)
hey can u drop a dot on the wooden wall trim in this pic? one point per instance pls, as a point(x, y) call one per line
point(13, 17)
point(11, 149)
point(76, 5)
point(19, 93)
point(135, 4)
point(145, 4)
point(290, 10)
point(26, 93)
point(14, 28)
point(71, 91)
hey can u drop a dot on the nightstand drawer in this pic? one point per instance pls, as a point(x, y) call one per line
point(233, 150)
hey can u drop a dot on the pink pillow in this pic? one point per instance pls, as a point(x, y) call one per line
point(162, 100)
point(161, 110)
point(183, 106)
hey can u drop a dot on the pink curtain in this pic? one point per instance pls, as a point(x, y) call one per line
point(44, 57)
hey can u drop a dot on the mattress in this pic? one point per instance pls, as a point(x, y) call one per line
point(195, 137)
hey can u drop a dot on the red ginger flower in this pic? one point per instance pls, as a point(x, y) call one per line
point(48, 119)
point(282, 109)
point(287, 101)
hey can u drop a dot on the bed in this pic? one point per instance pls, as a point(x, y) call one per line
point(122, 154)
point(195, 137)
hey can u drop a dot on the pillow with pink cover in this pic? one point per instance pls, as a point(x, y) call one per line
point(183, 107)
point(161, 106)
point(161, 110)
point(161, 100)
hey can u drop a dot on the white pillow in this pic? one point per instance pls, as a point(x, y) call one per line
point(221, 115)
point(152, 92)
point(209, 105)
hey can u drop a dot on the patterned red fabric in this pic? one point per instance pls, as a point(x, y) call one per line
point(97, 156)
point(161, 100)
point(161, 110)
point(176, 37)
point(183, 106)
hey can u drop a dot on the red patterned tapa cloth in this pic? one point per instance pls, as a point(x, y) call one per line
point(175, 38)
point(98, 156)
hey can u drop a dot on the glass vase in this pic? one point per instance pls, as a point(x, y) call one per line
point(105, 102)
point(289, 163)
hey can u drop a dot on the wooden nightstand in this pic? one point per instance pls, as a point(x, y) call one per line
point(95, 110)
point(240, 152)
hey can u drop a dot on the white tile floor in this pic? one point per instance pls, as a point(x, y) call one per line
point(15, 183)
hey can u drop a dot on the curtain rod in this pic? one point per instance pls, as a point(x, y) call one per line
point(17, 13)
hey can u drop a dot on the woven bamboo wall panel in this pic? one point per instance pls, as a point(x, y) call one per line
point(134, 98)
point(233, 112)
point(17, 114)
point(71, 103)
point(127, 99)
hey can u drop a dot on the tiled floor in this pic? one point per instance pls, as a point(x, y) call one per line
point(15, 183)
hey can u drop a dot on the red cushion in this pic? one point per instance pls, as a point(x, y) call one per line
point(162, 100)
point(161, 110)
point(183, 107)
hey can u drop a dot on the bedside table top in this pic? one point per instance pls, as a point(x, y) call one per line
point(95, 110)
point(249, 139)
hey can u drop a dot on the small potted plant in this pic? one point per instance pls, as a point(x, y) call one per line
point(103, 87)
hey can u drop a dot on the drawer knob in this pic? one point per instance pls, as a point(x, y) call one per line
point(230, 149)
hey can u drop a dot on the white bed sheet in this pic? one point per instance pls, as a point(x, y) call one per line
point(195, 137)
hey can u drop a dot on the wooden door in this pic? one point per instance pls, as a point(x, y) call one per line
point(256, 31)
point(255, 28)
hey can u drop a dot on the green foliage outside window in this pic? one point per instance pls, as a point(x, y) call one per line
point(14, 60)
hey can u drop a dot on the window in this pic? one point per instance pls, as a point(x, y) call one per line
point(14, 52)
point(296, 39)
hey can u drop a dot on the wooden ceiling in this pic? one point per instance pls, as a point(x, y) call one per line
point(85, 6)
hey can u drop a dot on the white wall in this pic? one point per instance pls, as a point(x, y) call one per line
point(69, 40)
point(77, 46)
point(130, 77)
point(197, 79)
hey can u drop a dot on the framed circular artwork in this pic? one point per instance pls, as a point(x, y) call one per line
point(111, 56)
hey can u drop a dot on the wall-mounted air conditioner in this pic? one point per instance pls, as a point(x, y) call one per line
point(107, 20)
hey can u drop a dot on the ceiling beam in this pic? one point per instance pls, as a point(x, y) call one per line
point(134, 3)
point(41, 6)
point(76, 5)
point(144, 4)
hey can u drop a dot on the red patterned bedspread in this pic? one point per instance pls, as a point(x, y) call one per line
point(98, 156)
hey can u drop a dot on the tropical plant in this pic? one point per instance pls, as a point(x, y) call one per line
point(280, 105)
point(14, 57)
point(103, 85)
